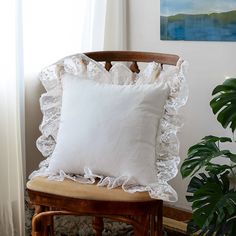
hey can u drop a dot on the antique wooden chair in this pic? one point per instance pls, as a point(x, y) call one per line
point(52, 198)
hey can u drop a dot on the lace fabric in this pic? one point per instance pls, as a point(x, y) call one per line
point(167, 148)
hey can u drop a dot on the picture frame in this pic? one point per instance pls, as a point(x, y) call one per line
point(211, 20)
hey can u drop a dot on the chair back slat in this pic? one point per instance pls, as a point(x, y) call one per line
point(108, 65)
point(134, 67)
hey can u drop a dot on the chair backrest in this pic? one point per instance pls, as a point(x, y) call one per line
point(134, 57)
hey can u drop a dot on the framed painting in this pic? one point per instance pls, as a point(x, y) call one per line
point(199, 20)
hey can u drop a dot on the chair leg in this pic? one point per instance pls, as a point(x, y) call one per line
point(51, 226)
point(155, 225)
point(159, 223)
point(45, 228)
point(149, 224)
point(48, 222)
point(42, 225)
point(141, 226)
point(36, 225)
point(98, 225)
point(140, 231)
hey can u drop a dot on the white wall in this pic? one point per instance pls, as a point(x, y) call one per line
point(209, 63)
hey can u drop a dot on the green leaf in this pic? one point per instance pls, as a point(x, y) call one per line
point(227, 115)
point(192, 227)
point(228, 84)
point(201, 154)
point(221, 100)
point(196, 183)
point(229, 226)
point(232, 157)
point(213, 204)
point(211, 138)
point(216, 168)
point(224, 103)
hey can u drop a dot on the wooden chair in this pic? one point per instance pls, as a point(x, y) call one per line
point(52, 198)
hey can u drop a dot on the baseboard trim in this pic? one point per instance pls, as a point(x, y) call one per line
point(175, 226)
point(175, 220)
point(176, 213)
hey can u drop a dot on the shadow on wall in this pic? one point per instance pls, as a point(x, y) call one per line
point(33, 117)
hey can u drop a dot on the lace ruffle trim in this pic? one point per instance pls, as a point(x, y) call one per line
point(167, 148)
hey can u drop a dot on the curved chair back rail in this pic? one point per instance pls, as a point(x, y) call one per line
point(134, 57)
point(162, 58)
point(145, 215)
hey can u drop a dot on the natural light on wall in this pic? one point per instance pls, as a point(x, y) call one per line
point(51, 31)
point(55, 29)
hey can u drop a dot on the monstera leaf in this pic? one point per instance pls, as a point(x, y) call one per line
point(229, 226)
point(213, 204)
point(224, 103)
point(201, 154)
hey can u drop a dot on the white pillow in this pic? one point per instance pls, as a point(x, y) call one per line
point(109, 129)
point(117, 126)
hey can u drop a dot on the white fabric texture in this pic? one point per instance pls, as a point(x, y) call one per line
point(163, 160)
point(11, 157)
point(109, 129)
point(106, 26)
point(115, 36)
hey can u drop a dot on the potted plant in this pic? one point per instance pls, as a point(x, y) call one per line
point(212, 194)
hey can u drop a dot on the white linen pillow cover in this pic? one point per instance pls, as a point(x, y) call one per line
point(167, 145)
point(109, 129)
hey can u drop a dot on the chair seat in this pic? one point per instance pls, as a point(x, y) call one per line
point(73, 189)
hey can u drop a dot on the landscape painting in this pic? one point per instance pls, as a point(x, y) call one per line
point(199, 20)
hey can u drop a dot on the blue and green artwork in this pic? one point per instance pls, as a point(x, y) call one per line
point(198, 20)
